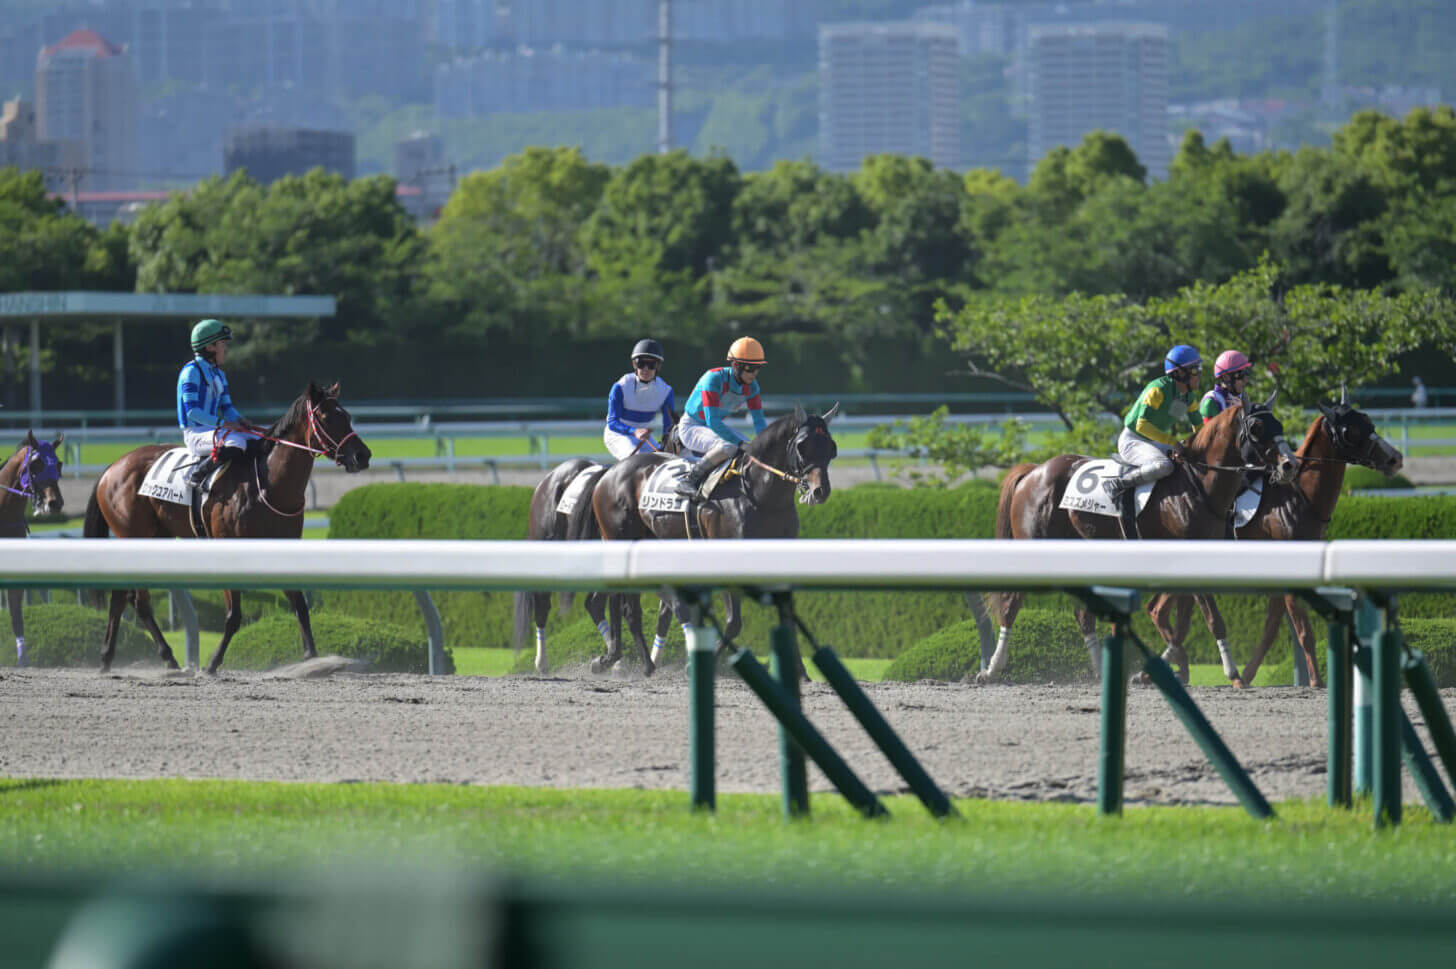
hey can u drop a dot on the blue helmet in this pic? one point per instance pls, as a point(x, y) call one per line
point(1180, 357)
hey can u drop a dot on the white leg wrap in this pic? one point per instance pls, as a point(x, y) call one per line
point(605, 628)
point(1226, 658)
point(656, 653)
point(542, 666)
point(997, 666)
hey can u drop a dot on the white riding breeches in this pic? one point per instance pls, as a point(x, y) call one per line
point(622, 447)
point(698, 438)
point(201, 440)
point(1150, 457)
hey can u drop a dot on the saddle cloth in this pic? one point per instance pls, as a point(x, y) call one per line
point(577, 487)
point(166, 479)
point(660, 492)
point(1085, 492)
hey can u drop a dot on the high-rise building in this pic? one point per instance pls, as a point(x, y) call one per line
point(23, 148)
point(529, 79)
point(888, 88)
point(420, 167)
point(86, 92)
point(269, 153)
point(1107, 76)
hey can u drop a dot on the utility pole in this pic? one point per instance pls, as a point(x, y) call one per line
point(664, 76)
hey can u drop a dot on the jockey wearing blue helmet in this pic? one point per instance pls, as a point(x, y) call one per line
point(1164, 412)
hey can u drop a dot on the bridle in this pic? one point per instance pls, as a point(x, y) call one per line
point(28, 482)
point(316, 430)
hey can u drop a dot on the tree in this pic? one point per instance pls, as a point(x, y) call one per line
point(42, 246)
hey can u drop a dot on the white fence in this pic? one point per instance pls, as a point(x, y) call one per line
point(802, 564)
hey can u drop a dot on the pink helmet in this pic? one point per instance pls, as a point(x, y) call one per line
point(1230, 361)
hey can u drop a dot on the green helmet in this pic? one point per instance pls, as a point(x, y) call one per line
point(209, 331)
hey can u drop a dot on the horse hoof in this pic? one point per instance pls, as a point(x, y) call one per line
point(543, 668)
point(649, 669)
point(984, 677)
point(1237, 683)
point(596, 665)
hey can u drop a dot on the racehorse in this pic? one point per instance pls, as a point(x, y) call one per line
point(259, 496)
point(548, 524)
point(1299, 510)
point(31, 475)
point(789, 459)
point(1192, 502)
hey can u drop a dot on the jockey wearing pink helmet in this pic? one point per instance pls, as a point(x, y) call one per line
point(1230, 377)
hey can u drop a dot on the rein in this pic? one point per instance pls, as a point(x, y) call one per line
point(792, 479)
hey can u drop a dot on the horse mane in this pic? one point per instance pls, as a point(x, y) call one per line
point(773, 435)
point(1203, 437)
point(296, 414)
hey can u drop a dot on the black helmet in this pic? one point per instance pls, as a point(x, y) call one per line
point(647, 348)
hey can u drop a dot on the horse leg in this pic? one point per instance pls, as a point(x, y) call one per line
point(233, 600)
point(634, 623)
point(1273, 616)
point(664, 622)
point(612, 633)
point(144, 615)
point(541, 608)
point(113, 620)
point(15, 599)
point(1010, 606)
point(300, 609)
point(1087, 625)
point(1304, 632)
point(1216, 625)
point(1168, 614)
point(1175, 653)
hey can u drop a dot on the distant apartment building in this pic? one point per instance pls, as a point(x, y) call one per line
point(888, 88)
point(1108, 76)
point(86, 92)
point(530, 79)
point(420, 166)
point(23, 148)
point(981, 28)
point(269, 153)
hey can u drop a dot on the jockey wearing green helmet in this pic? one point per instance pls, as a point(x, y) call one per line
point(204, 406)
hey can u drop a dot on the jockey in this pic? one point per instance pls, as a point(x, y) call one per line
point(1154, 424)
point(718, 393)
point(1230, 376)
point(203, 402)
point(635, 401)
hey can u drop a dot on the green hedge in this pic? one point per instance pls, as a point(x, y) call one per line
point(870, 624)
point(274, 641)
point(1437, 639)
point(1045, 646)
point(58, 634)
point(1361, 479)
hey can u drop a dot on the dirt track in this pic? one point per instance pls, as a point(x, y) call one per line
point(1034, 743)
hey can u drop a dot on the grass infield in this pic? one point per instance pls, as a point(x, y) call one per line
point(1310, 852)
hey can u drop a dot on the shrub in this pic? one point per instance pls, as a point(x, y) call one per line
point(1437, 639)
point(274, 640)
point(1045, 645)
point(1360, 479)
point(58, 634)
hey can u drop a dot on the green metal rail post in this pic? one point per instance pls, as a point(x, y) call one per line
point(702, 648)
point(1423, 686)
point(1385, 718)
point(1424, 773)
point(1337, 606)
point(1114, 605)
point(880, 731)
point(1207, 738)
point(786, 664)
point(813, 743)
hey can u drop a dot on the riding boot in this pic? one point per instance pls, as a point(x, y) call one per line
point(201, 470)
point(1123, 492)
point(709, 462)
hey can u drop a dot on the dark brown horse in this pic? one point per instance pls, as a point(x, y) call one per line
point(1192, 502)
point(548, 524)
point(260, 496)
point(1297, 511)
point(32, 475)
point(789, 460)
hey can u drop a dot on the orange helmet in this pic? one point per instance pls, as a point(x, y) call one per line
point(746, 349)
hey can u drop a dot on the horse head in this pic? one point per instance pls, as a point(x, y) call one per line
point(1261, 442)
point(1355, 439)
point(810, 451)
point(332, 429)
point(39, 476)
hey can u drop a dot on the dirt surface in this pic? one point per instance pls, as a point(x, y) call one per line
point(577, 730)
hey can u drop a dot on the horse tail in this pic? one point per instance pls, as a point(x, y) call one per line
point(524, 611)
point(95, 527)
point(1008, 491)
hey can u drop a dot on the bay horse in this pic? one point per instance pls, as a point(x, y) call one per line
point(789, 460)
point(1299, 510)
point(547, 524)
point(32, 475)
point(259, 496)
point(1192, 502)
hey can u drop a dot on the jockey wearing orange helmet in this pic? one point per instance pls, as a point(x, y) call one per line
point(718, 393)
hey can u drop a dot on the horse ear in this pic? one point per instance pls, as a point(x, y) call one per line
point(799, 415)
point(59, 438)
point(1269, 404)
point(30, 438)
point(831, 413)
point(334, 390)
point(1344, 394)
point(314, 392)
